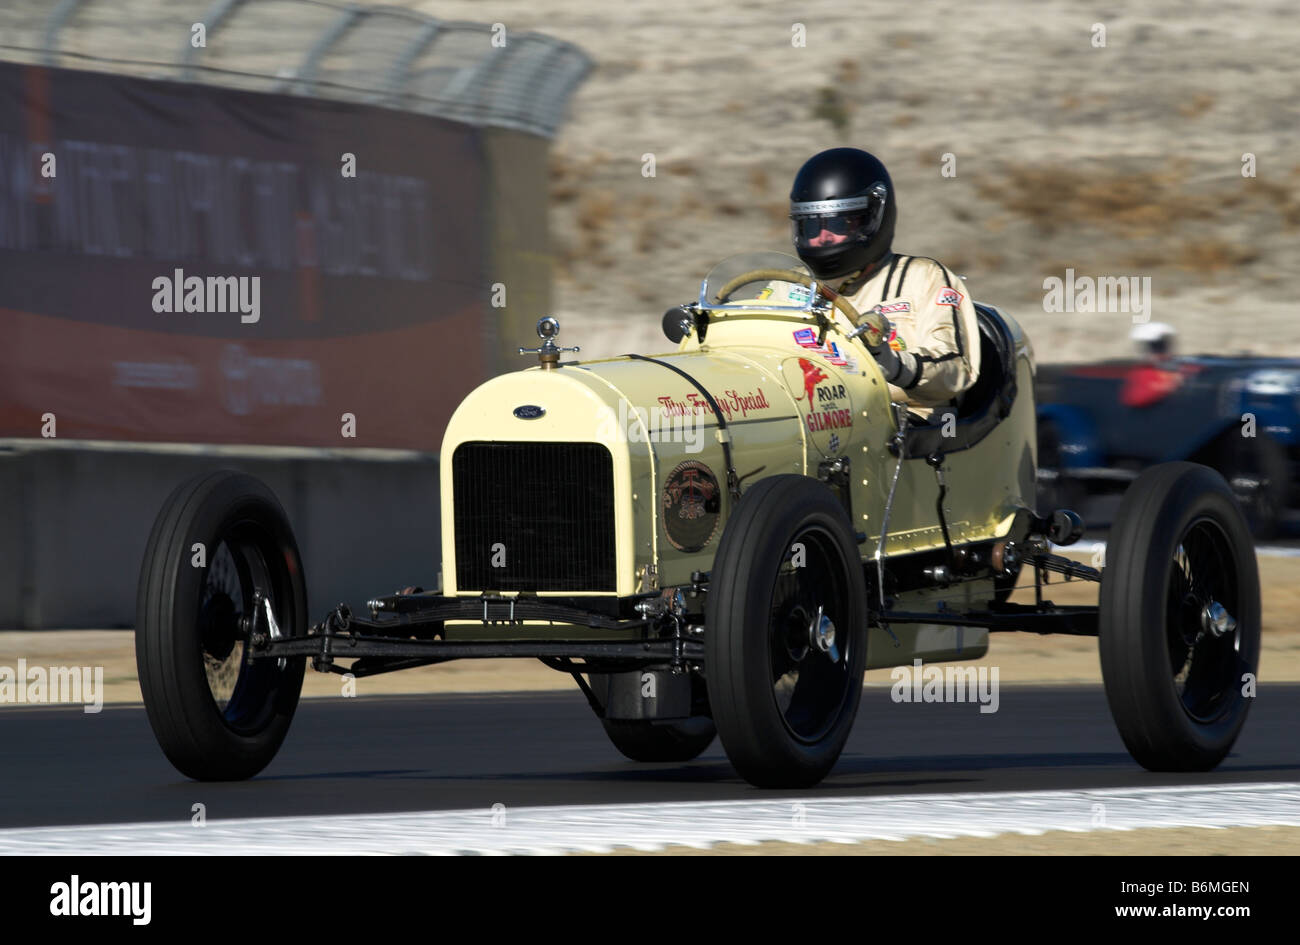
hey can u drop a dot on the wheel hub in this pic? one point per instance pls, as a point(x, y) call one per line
point(1216, 620)
point(821, 634)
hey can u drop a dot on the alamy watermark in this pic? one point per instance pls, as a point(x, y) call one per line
point(80, 898)
point(657, 425)
point(1102, 294)
point(213, 294)
point(919, 683)
point(47, 685)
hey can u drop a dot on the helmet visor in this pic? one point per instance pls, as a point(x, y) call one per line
point(817, 223)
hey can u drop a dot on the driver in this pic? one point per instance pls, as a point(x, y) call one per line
point(842, 208)
point(1157, 376)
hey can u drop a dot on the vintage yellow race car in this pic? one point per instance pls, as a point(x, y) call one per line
point(719, 540)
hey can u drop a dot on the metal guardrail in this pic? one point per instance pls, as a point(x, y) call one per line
point(477, 73)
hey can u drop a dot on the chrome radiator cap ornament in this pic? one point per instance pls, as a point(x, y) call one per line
point(548, 355)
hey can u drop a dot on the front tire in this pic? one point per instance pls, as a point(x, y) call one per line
point(786, 632)
point(217, 539)
point(1180, 618)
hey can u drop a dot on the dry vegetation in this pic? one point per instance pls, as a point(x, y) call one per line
point(1122, 160)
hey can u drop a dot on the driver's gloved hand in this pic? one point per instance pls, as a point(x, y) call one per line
point(885, 329)
point(899, 368)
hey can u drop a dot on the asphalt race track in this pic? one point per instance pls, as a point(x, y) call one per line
point(456, 752)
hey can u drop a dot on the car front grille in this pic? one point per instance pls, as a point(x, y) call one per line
point(533, 516)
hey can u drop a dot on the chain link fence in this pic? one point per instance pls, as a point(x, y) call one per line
point(481, 74)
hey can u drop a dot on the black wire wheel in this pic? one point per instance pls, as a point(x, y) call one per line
point(1180, 618)
point(785, 632)
point(221, 561)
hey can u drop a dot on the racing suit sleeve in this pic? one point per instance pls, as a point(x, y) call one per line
point(943, 336)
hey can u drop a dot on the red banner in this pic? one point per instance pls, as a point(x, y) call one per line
point(195, 264)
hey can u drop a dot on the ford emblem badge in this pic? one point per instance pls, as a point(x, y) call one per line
point(529, 412)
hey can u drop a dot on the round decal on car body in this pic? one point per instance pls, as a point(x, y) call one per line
point(692, 503)
point(529, 411)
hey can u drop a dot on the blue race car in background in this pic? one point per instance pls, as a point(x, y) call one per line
point(1101, 424)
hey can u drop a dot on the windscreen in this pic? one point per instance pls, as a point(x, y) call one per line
point(726, 287)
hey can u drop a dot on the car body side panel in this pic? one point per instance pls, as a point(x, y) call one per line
point(761, 421)
point(986, 483)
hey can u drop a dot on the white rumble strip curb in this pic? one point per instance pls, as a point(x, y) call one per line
point(600, 828)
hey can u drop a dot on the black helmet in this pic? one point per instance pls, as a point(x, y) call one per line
point(848, 193)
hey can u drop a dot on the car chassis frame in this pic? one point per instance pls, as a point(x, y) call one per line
point(405, 630)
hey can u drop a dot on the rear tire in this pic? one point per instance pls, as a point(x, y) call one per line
point(1174, 676)
point(217, 717)
point(651, 741)
point(783, 699)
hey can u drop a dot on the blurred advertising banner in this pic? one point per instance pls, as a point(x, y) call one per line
point(196, 264)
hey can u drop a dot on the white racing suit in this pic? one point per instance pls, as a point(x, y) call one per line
point(935, 335)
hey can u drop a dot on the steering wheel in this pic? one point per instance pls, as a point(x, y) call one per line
point(871, 325)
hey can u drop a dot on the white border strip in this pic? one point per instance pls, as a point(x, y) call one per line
point(600, 828)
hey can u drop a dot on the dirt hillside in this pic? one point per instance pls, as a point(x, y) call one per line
point(1122, 160)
